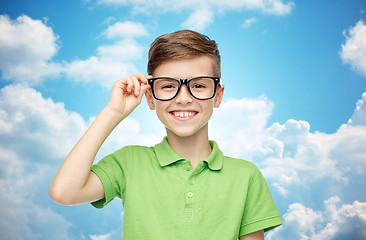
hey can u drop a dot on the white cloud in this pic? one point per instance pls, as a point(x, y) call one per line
point(120, 52)
point(22, 217)
point(359, 115)
point(347, 221)
point(248, 22)
point(100, 237)
point(199, 19)
point(26, 48)
point(340, 156)
point(38, 133)
point(129, 133)
point(203, 11)
point(126, 29)
point(243, 136)
point(354, 49)
point(113, 61)
point(98, 71)
point(29, 120)
point(276, 7)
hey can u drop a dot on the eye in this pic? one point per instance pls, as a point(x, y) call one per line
point(167, 86)
point(198, 85)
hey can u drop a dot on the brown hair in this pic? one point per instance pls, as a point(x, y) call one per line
point(184, 44)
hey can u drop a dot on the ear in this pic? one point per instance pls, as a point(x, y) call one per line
point(219, 95)
point(150, 99)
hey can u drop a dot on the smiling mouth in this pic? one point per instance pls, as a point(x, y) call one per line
point(183, 114)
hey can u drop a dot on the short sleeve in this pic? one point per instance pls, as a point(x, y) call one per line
point(111, 172)
point(260, 211)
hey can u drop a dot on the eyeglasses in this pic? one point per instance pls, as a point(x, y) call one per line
point(167, 88)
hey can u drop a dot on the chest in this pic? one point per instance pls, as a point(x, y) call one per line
point(180, 189)
point(185, 202)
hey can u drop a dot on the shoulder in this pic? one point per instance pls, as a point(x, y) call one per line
point(240, 166)
point(135, 153)
point(240, 163)
point(134, 149)
point(129, 153)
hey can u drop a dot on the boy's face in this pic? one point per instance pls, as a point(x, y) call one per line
point(184, 115)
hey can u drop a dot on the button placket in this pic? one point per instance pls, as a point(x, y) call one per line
point(190, 193)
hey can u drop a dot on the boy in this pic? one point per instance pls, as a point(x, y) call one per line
point(183, 187)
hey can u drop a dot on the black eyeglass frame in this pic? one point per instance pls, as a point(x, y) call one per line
point(185, 82)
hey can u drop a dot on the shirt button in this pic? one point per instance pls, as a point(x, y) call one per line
point(190, 194)
point(187, 167)
point(191, 182)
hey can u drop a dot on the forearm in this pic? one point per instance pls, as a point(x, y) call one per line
point(74, 171)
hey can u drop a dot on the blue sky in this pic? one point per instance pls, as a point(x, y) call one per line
point(295, 89)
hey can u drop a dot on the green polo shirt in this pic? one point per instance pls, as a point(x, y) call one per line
point(163, 198)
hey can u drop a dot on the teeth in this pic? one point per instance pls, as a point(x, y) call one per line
point(183, 114)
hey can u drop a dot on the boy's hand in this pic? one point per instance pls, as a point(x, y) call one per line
point(127, 93)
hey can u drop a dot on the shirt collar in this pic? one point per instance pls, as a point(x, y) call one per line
point(166, 155)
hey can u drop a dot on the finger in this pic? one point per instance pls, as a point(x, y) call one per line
point(118, 85)
point(122, 84)
point(141, 77)
point(136, 85)
point(143, 89)
point(129, 84)
point(148, 77)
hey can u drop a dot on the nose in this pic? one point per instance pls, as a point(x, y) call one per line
point(183, 97)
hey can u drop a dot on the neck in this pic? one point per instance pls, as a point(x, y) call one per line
point(193, 148)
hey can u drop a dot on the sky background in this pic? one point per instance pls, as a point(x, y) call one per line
point(294, 104)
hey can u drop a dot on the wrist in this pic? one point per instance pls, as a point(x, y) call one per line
point(112, 116)
point(116, 113)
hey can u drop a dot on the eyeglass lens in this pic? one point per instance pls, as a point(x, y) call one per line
point(201, 88)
